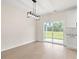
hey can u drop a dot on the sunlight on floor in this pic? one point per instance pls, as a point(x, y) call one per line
point(54, 41)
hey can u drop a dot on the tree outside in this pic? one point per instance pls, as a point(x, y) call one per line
point(53, 29)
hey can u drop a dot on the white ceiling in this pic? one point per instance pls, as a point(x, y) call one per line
point(45, 6)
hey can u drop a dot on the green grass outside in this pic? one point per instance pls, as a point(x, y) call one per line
point(54, 35)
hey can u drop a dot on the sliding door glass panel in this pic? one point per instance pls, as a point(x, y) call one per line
point(53, 32)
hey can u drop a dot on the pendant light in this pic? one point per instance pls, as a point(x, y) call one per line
point(33, 14)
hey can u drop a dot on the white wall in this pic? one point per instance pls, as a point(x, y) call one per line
point(68, 18)
point(16, 29)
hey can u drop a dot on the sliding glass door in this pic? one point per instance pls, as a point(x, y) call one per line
point(53, 32)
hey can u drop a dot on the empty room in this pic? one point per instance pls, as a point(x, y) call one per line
point(38, 29)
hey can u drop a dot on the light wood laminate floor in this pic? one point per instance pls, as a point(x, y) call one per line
point(39, 50)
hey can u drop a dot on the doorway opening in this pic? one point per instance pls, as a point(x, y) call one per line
point(53, 32)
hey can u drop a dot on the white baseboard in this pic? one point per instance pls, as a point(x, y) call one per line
point(17, 45)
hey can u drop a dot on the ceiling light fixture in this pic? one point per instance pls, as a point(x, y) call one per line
point(33, 14)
